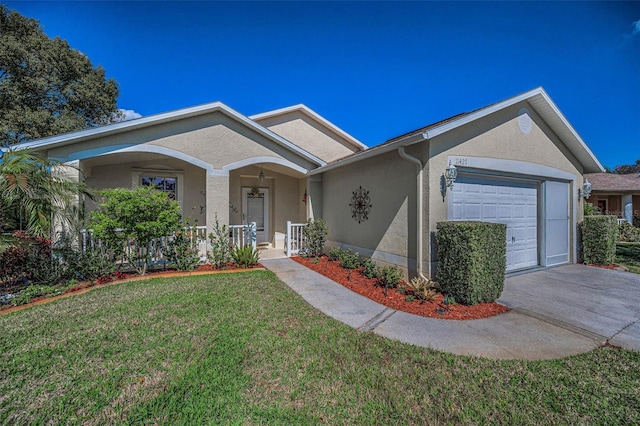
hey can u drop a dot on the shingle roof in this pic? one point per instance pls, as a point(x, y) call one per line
point(614, 182)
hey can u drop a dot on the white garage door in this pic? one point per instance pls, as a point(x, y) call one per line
point(510, 202)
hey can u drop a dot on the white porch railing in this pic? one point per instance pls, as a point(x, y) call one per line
point(294, 238)
point(621, 221)
point(242, 235)
point(239, 236)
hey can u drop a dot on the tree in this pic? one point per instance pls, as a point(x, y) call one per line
point(129, 220)
point(31, 194)
point(624, 169)
point(46, 87)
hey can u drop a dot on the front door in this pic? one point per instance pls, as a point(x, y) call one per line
point(255, 208)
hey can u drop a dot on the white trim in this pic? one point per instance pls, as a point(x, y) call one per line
point(546, 109)
point(510, 166)
point(178, 175)
point(263, 159)
point(265, 233)
point(313, 115)
point(112, 129)
point(169, 153)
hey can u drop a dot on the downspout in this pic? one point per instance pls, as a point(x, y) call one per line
point(419, 166)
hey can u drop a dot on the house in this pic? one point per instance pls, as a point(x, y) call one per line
point(518, 161)
point(615, 194)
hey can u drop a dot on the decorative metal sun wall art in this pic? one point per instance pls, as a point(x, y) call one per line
point(360, 205)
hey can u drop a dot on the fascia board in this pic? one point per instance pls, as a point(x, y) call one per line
point(575, 143)
point(372, 152)
point(139, 123)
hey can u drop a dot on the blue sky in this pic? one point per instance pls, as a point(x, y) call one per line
point(376, 70)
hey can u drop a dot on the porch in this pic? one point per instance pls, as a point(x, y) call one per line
point(266, 190)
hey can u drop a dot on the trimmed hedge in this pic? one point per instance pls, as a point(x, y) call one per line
point(471, 260)
point(599, 235)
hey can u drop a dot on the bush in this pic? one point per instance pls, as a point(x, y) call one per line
point(335, 254)
point(245, 256)
point(140, 216)
point(628, 233)
point(423, 289)
point(34, 291)
point(29, 261)
point(599, 235)
point(220, 253)
point(349, 259)
point(183, 249)
point(370, 269)
point(471, 260)
point(315, 235)
point(389, 277)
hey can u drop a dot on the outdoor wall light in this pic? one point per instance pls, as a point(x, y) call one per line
point(585, 191)
point(450, 175)
point(261, 176)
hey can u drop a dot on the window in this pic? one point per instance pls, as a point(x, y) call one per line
point(164, 184)
point(166, 180)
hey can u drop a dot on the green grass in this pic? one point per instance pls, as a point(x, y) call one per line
point(628, 255)
point(244, 349)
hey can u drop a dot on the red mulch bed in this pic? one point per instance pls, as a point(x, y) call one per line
point(396, 300)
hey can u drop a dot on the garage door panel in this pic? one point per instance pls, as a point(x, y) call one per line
point(512, 203)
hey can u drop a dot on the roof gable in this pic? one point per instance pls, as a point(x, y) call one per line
point(537, 98)
point(315, 117)
point(152, 120)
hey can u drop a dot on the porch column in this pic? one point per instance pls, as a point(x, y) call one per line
point(627, 207)
point(217, 199)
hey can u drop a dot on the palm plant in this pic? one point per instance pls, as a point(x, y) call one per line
point(31, 194)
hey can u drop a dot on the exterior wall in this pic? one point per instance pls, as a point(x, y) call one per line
point(120, 175)
point(309, 135)
point(389, 234)
point(499, 137)
point(213, 138)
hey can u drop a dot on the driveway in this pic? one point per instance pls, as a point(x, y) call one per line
point(587, 300)
point(555, 313)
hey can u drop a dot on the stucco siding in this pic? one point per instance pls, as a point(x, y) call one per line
point(213, 138)
point(499, 136)
point(389, 231)
point(306, 133)
point(121, 175)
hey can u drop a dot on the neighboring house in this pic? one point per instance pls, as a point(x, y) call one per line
point(614, 194)
point(518, 161)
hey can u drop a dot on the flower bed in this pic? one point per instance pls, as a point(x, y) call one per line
point(395, 299)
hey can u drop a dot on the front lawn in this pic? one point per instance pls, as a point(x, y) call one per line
point(628, 255)
point(245, 349)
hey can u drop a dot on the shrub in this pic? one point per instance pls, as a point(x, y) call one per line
point(220, 253)
point(315, 235)
point(349, 259)
point(389, 277)
point(471, 260)
point(628, 233)
point(245, 256)
point(34, 291)
point(14, 266)
point(96, 261)
point(137, 216)
point(183, 250)
point(370, 269)
point(599, 235)
point(335, 253)
point(423, 289)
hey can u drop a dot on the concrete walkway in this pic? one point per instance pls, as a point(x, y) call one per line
point(554, 313)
